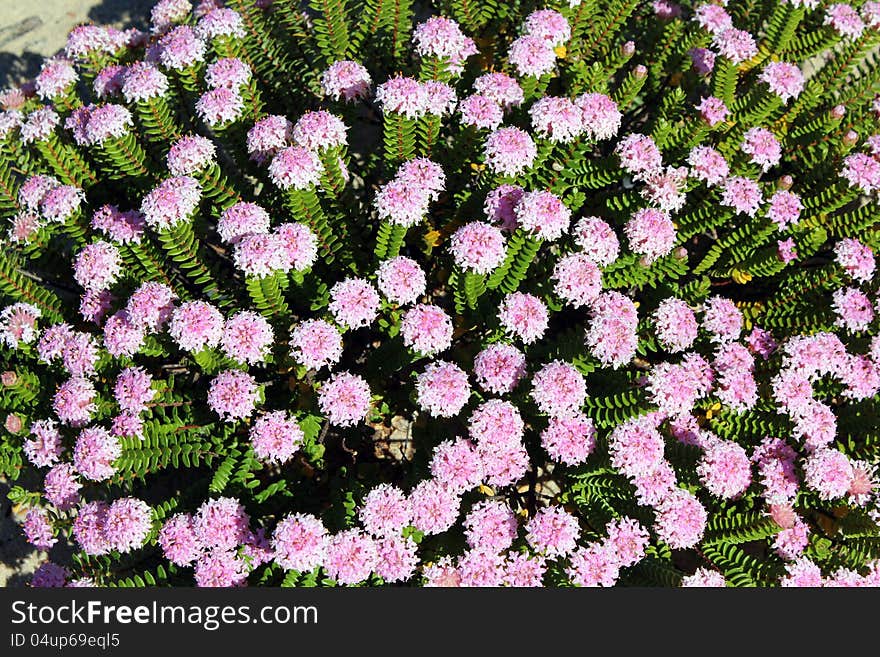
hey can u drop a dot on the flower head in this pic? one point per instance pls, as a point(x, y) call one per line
point(344, 399)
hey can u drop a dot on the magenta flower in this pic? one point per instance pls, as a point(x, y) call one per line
point(490, 526)
point(559, 389)
point(456, 465)
point(133, 389)
point(426, 329)
point(532, 55)
point(650, 233)
point(233, 395)
point(499, 367)
point(725, 470)
point(247, 338)
point(126, 524)
point(350, 557)
point(61, 487)
point(346, 80)
point(44, 448)
point(38, 529)
point(275, 437)
point(385, 511)
point(680, 519)
point(855, 258)
point(510, 151)
point(611, 336)
point(401, 280)
point(268, 136)
point(480, 112)
point(597, 240)
point(557, 119)
point(736, 45)
point(296, 168)
point(600, 115)
point(639, 155)
point(593, 565)
point(402, 95)
point(354, 302)
point(196, 325)
point(396, 558)
point(442, 38)
point(178, 540)
point(501, 88)
point(344, 399)
point(221, 523)
point(435, 507)
point(553, 532)
point(316, 344)
point(95, 452)
point(783, 79)
point(569, 438)
point(500, 203)
point(524, 316)
point(172, 202)
point(708, 165)
point(299, 542)
point(319, 130)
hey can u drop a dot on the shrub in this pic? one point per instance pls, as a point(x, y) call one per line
point(489, 294)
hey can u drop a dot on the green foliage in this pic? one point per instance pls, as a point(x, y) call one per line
point(188, 453)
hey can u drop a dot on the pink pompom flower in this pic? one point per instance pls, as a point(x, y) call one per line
point(557, 119)
point(316, 344)
point(543, 214)
point(346, 80)
point(559, 389)
point(95, 452)
point(426, 329)
point(442, 389)
point(478, 247)
point(490, 526)
point(233, 395)
point(345, 399)
point(354, 302)
point(499, 367)
point(510, 151)
point(401, 280)
point(532, 55)
point(247, 337)
point(275, 437)
point(569, 438)
point(385, 511)
point(351, 556)
point(300, 542)
point(319, 130)
point(650, 233)
point(553, 532)
point(524, 316)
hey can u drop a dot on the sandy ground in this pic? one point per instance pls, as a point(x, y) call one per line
point(29, 31)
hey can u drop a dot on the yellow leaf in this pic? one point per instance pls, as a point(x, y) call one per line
point(741, 277)
point(714, 408)
point(432, 238)
point(560, 51)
